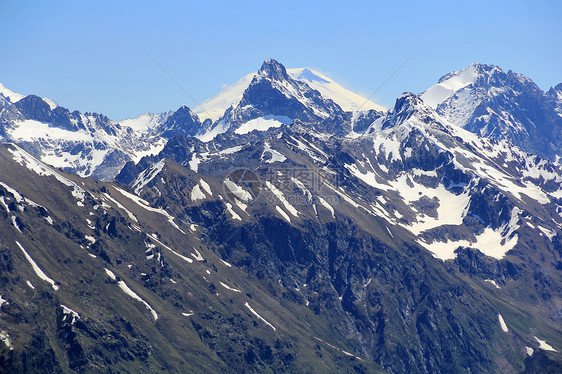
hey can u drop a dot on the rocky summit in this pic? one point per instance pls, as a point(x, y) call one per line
point(304, 229)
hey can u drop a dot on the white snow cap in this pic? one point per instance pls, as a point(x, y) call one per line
point(449, 85)
point(346, 99)
point(232, 94)
point(14, 97)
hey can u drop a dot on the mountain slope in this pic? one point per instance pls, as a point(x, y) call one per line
point(388, 236)
point(485, 100)
point(94, 279)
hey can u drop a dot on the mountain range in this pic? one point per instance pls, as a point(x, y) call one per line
point(287, 225)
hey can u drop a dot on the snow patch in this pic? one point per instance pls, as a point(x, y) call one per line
point(232, 212)
point(549, 233)
point(194, 162)
point(291, 209)
point(133, 295)
point(5, 337)
point(3, 203)
point(336, 348)
point(237, 191)
point(145, 121)
point(226, 263)
point(197, 256)
point(215, 107)
point(502, 323)
point(69, 313)
point(120, 206)
point(544, 345)
point(37, 269)
point(25, 159)
point(492, 282)
point(327, 206)
point(14, 97)
point(229, 288)
point(275, 155)
point(145, 205)
point(206, 187)
point(186, 259)
point(15, 223)
point(347, 100)
point(491, 243)
point(283, 214)
point(260, 317)
point(197, 194)
point(110, 274)
point(30, 130)
point(220, 128)
point(262, 124)
point(147, 176)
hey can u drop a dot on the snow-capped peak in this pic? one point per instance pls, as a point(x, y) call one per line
point(231, 95)
point(346, 99)
point(51, 102)
point(449, 84)
point(273, 70)
point(273, 91)
point(473, 75)
point(501, 105)
point(146, 121)
point(10, 95)
point(406, 106)
point(14, 97)
point(308, 75)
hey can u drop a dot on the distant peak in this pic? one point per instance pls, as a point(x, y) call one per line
point(407, 100)
point(13, 96)
point(556, 92)
point(185, 111)
point(480, 65)
point(273, 69)
point(310, 76)
point(475, 69)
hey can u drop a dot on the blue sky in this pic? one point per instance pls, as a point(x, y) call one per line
point(91, 56)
